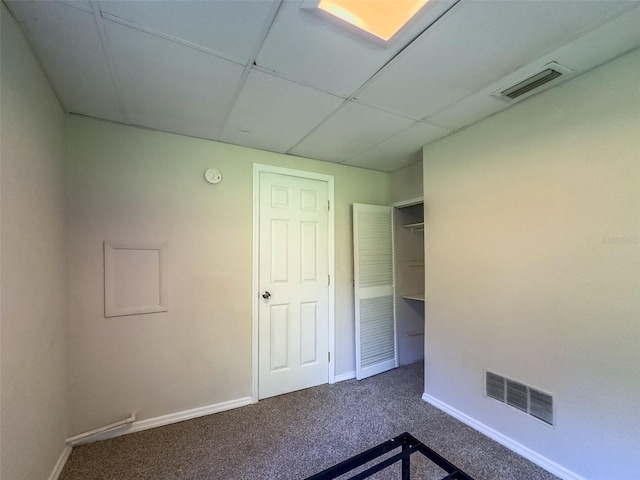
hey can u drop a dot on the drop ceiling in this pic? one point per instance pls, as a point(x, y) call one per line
point(271, 75)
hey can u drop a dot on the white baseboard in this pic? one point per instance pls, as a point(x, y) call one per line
point(345, 376)
point(170, 418)
point(544, 462)
point(62, 460)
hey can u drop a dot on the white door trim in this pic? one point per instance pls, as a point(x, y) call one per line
point(255, 288)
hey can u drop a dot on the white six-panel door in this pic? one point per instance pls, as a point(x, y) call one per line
point(293, 313)
point(376, 345)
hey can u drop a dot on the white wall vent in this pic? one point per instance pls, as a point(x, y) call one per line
point(518, 395)
point(535, 82)
point(541, 406)
point(495, 386)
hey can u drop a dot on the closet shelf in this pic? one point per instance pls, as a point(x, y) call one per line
point(415, 227)
point(414, 296)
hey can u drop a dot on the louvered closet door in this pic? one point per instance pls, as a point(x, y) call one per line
point(376, 346)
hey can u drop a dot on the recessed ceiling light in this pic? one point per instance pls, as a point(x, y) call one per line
point(381, 18)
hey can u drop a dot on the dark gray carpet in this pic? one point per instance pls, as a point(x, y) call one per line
point(296, 435)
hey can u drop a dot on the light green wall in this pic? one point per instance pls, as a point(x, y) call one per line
point(132, 184)
point(33, 265)
point(533, 268)
point(406, 183)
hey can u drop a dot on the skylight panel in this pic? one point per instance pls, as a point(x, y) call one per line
point(380, 18)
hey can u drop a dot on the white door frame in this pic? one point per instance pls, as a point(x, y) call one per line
point(255, 289)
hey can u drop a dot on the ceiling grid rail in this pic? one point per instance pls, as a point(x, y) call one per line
point(106, 48)
point(165, 36)
point(247, 69)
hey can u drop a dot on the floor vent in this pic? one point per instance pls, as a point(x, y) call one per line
point(545, 77)
point(518, 395)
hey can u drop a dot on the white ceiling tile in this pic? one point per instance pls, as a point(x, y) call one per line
point(178, 86)
point(81, 4)
point(476, 44)
point(68, 45)
point(170, 87)
point(584, 53)
point(351, 130)
point(473, 108)
point(265, 98)
point(307, 49)
point(230, 27)
point(400, 150)
point(603, 43)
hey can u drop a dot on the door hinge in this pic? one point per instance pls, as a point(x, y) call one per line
point(328, 204)
point(329, 356)
point(328, 279)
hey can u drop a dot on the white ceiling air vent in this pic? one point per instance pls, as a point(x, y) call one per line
point(543, 78)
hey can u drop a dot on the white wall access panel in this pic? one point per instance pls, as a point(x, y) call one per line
point(135, 278)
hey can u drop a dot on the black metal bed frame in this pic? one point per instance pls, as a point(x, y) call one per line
point(409, 445)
